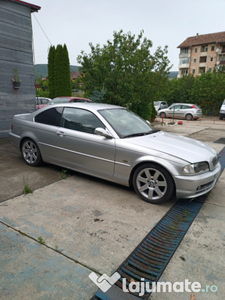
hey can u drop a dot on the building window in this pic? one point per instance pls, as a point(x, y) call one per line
point(213, 48)
point(193, 71)
point(184, 50)
point(203, 59)
point(184, 61)
point(211, 58)
point(184, 71)
point(195, 60)
point(201, 70)
point(210, 70)
point(204, 48)
point(196, 50)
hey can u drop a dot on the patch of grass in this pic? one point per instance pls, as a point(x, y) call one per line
point(26, 188)
point(63, 174)
point(40, 240)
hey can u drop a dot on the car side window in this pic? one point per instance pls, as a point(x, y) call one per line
point(186, 107)
point(80, 120)
point(175, 107)
point(45, 101)
point(79, 100)
point(50, 116)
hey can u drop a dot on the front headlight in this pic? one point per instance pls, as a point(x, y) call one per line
point(196, 168)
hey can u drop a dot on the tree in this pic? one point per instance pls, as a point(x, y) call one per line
point(127, 72)
point(207, 91)
point(51, 77)
point(59, 72)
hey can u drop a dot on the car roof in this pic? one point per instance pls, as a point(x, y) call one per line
point(182, 104)
point(71, 98)
point(92, 106)
point(37, 97)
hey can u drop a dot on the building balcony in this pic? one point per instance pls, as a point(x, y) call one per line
point(184, 66)
point(203, 53)
point(220, 51)
point(184, 55)
point(202, 64)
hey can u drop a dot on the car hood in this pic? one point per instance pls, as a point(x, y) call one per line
point(182, 147)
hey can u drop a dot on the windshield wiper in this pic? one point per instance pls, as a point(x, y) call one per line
point(141, 133)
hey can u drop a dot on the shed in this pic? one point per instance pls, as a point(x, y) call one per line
point(16, 59)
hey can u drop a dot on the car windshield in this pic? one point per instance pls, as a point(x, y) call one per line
point(156, 103)
point(59, 100)
point(126, 123)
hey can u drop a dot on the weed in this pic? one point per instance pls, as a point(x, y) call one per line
point(26, 188)
point(40, 240)
point(63, 174)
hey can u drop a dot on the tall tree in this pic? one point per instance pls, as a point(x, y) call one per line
point(59, 68)
point(129, 74)
point(67, 78)
point(51, 76)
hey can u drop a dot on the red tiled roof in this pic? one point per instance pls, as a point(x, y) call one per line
point(218, 37)
point(74, 74)
point(32, 6)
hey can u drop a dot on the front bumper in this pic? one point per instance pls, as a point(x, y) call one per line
point(197, 185)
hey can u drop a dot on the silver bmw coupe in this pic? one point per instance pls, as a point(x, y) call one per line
point(113, 143)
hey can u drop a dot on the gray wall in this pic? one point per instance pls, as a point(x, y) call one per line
point(15, 52)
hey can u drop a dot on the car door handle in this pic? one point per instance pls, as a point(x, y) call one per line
point(60, 133)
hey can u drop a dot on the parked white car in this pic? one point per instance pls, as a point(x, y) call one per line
point(42, 102)
point(181, 111)
point(222, 111)
point(160, 104)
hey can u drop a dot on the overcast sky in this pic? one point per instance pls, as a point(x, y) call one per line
point(165, 22)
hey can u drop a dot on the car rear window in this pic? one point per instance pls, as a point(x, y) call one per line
point(50, 116)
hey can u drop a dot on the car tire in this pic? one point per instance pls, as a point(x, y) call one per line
point(153, 183)
point(31, 153)
point(188, 117)
point(162, 115)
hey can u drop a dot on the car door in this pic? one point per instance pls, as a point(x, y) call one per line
point(45, 134)
point(173, 111)
point(185, 109)
point(178, 111)
point(83, 150)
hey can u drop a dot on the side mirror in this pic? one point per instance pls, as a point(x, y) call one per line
point(103, 132)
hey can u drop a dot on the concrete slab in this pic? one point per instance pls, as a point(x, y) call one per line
point(93, 222)
point(30, 270)
point(14, 173)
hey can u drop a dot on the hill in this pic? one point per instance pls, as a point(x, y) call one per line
point(173, 74)
point(41, 70)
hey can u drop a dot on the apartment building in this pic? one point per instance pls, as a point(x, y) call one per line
point(202, 53)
